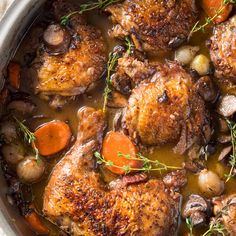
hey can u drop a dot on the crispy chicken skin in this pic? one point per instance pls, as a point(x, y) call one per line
point(75, 71)
point(223, 49)
point(78, 201)
point(153, 25)
point(225, 206)
point(164, 105)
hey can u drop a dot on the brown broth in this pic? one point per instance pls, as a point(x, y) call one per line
point(94, 99)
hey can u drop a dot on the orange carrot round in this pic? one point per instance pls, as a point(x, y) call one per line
point(14, 75)
point(214, 7)
point(52, 137)
point(36, 224)
point(115, 143)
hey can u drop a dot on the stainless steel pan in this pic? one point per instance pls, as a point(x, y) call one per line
point(13, 26)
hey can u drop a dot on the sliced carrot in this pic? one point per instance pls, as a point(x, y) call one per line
point(115, 143)
point(212, 8)
point(14, 75)
point(36, 223)
point(52, 137)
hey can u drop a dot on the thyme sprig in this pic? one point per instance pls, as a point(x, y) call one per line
point(232, 158)
point(111, 64)
point(100, 4)
point(215, 227)
point(29, 137)
point(190, 226)
point(209, 20)
point(129, 45)
point(148, 165)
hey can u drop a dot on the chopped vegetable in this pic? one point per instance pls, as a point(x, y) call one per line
point(52, 137)
point(219, 10)
point(201, 64)
point(14, 75)
point(29, 170)
point(36, 223)
point(117, 142)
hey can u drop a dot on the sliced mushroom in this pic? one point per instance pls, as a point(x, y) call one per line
point(13, 153)
point(21, 106)
point(30, 170)
point(206, 89)
point(227, 105)
point(117, 121)
point(224, 139)
point(56, 39)
point(223, 127)
point(117, 100)
point(197, 209)
point(8, 131)
point(224, 153)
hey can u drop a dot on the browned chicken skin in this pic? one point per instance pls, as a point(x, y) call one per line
point(223, 49)
point(78, 201)
point(225, 210)
point(153, 25)
point(164, 106)
point(75, 71)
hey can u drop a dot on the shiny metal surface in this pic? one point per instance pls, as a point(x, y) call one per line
point(13, 26)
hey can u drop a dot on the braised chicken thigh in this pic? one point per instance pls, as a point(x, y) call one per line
point(153, 25)
point(77, 200)
point(74, 56)
point(222, 49)
point(164, 106)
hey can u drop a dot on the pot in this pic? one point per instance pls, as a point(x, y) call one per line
point(13, 26)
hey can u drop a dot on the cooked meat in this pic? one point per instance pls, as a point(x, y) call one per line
point(78, 201)
point(175, 179)
point(206, 89)
point(223, 50)
point(225, 207)
point(153, 25)
point(77, 70)
point(165, 107)
point(197, 208)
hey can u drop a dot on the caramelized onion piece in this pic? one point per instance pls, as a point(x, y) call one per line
point(210, 183)
point(30, 170)
point(227, 105)
point(56, 39)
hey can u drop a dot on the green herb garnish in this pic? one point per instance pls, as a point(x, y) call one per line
point(232, 158)
point(148, 165)
point(29, 137)
point(215, 227)
point(190, 226)
point(129, 45)
point(112, 61)
point(100, 4)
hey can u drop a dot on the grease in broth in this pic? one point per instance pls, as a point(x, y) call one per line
point(95, 99)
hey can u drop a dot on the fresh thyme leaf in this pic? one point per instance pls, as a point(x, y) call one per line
point(66, 19)
point(197, 27)
point(129, 44)
point(232, 160)
point(190, 226)
point(100, 4)
point(215, 227)
point(112, 61)
point(148, 165)
point(29, 137)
